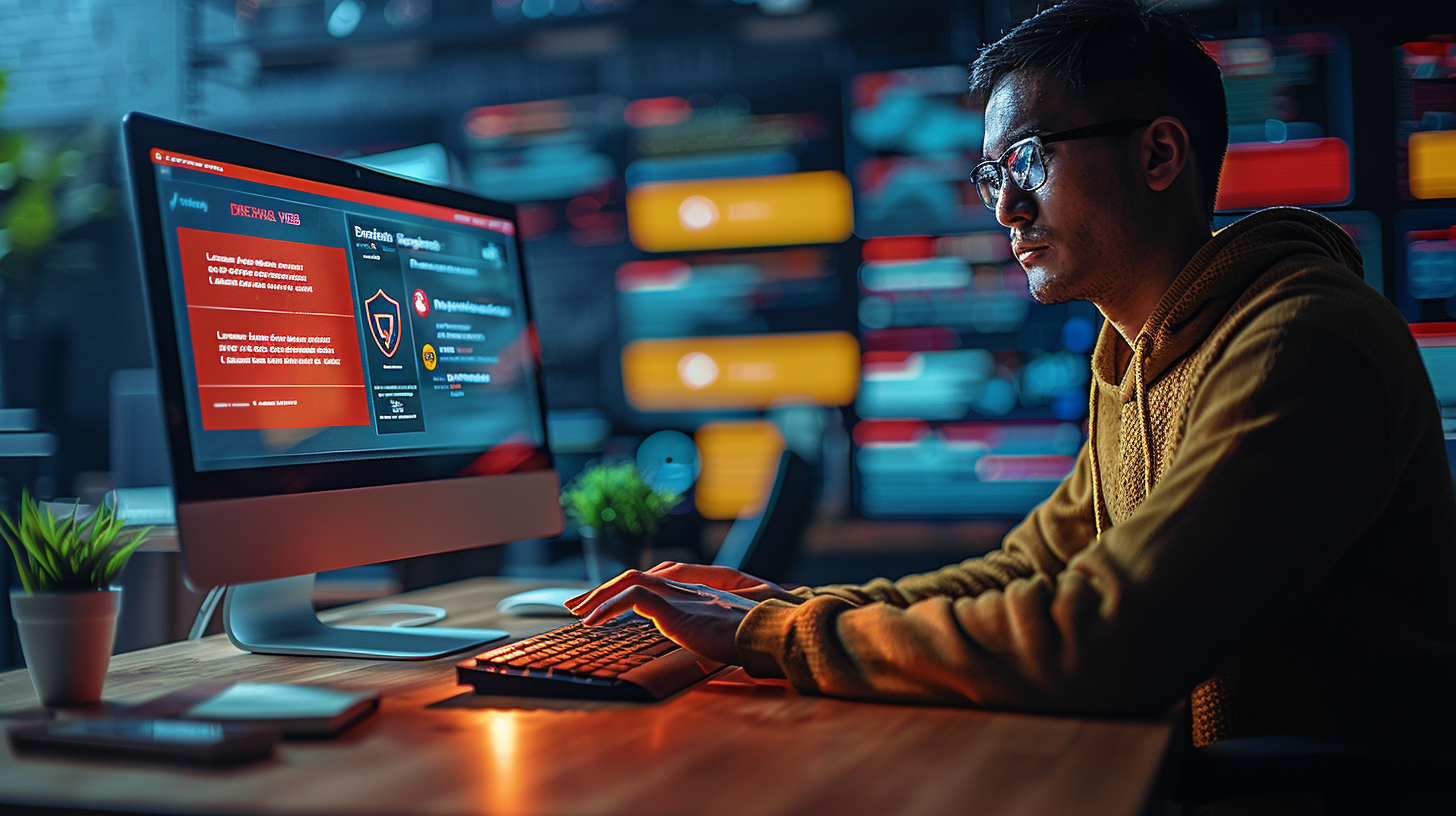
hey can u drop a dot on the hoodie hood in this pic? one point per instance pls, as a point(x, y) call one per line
point(1213, 280)
point(1223, 271)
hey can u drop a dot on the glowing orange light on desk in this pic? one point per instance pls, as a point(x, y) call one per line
point(739, 461)
point(503, 772)
point(1433, 164)
point(799, 208)
point(754, 371)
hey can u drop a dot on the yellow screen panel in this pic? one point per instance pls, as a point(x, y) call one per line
point(1433, 164)
point(740, 460)
point(745, 372)
point(799, 208)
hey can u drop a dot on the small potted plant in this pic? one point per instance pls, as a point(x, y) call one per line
point(67, 612)
point(611, 502)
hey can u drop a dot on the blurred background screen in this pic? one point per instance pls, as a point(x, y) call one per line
point(1290, 126)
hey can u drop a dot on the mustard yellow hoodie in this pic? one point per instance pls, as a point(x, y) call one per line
point(1262, 522)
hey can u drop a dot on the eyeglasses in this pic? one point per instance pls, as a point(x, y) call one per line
point(1023, 160)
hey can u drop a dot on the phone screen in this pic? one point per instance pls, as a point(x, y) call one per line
point(172, 732)
point(171, 740)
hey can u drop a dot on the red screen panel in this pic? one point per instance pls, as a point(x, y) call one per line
point(1303, 171)
point(273, 333)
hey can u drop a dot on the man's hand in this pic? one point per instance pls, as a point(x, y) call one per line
point(727, 578)
point(701, 619)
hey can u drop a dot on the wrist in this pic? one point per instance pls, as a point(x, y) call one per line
point(760, 637)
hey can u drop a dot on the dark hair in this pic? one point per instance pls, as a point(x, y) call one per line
point(1122, 53)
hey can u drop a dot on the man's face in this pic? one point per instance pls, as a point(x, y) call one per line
point(1075, 234)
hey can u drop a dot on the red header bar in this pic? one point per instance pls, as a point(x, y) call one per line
point(403, 205)
point(1432, 235)
point(1430, 335)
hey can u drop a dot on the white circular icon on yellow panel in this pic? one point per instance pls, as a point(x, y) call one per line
point(697, 212)
point(428, 355)
point(697, 370)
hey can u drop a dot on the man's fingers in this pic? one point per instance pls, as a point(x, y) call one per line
point(587, 600)
point(616, 586)
point(640, 598)
point(582, 604)
point(716, 577)
point(725, 578)
point(675, 571)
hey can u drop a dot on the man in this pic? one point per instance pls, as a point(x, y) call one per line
point(1262, 519)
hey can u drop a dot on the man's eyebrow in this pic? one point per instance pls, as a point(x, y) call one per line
point(1017, 135)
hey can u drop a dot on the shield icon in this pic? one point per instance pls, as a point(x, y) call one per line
point(384, 325)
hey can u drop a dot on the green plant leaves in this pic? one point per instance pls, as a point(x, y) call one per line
point(31, 216)
point(615, 495)
point(60, 555)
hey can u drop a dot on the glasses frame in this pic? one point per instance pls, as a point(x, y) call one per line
point(1116, 127)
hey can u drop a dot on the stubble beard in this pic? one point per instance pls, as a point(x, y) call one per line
point(1046, 287)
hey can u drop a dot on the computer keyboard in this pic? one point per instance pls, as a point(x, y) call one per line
point(624, 659)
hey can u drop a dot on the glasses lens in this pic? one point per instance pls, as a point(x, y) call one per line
point(987, 178)
point(1026, 166)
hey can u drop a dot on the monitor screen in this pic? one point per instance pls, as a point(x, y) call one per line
point(1425, 99)
point(347, 359)
point(971, 395)
point(314, 326)
point(912, 137)
point(1290, 119)
point(1425, 265)
point(321, 324)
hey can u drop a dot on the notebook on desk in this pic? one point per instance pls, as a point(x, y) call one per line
point(289, 709)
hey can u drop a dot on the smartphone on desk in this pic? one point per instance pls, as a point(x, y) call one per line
point(191, 742)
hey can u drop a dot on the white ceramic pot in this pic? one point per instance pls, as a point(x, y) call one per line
point(67, 639)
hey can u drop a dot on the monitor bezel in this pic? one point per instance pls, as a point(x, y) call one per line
point(141, 135)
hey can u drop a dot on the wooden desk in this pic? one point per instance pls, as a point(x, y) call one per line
point(726, 746)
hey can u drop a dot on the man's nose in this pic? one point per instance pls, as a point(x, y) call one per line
point(1015, 205)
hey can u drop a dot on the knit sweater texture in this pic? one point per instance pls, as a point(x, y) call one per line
point(1262, 522)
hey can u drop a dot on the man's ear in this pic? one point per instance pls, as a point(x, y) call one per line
point(1168, 151)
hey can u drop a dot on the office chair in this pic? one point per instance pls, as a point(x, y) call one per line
point(766, 544)
point(1342, 778)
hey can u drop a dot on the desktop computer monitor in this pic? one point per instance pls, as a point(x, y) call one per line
point(349, 371)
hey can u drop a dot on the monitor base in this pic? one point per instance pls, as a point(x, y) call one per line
point(277, 617)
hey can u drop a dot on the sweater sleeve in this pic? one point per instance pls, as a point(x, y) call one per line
point(1054, 531)
point(1288, 455)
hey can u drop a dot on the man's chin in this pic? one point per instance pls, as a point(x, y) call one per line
point(1045, 288)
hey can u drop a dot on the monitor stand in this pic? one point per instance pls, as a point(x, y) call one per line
point(277, 617)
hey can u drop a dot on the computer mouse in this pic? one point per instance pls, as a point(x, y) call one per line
point(545, 601)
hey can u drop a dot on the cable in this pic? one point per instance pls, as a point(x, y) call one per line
point(209, 605)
